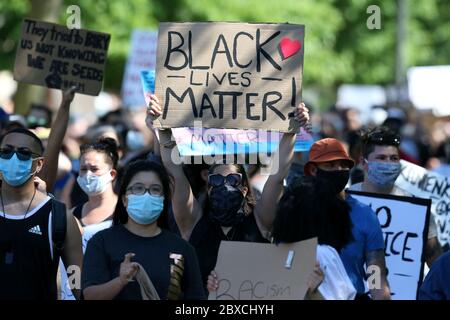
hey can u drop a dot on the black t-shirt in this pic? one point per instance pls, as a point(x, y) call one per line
point(207, 235)
point(159, 256)
point(27, 265)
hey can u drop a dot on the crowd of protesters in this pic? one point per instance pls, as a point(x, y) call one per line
point(109, 204)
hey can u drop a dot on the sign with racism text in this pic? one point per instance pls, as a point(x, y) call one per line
point(404, 222)
point(245, 273)
point(427, 184)
point(229, 75)
point(54, 56)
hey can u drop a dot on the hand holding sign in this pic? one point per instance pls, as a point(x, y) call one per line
point(301, 115)
point(68, 95)
point(154, 110)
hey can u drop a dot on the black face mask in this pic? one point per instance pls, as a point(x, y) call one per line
point(336, 179)
point(225, 205)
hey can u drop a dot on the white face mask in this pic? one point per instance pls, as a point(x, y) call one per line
point(92, 184)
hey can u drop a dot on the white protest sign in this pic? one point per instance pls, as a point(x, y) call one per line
point(404, 222)
point(426, 184)
point(142, 56)
point(259, 271)
point(360, 97)
point(428, 88)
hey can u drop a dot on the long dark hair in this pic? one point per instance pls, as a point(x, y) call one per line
point(250, 201)
point(120, 215)
point(308, 209)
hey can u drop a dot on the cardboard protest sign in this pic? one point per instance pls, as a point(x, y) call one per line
point(54, 56)
point(426, 184)
point(255, 271)
point(199, 141)
point(404, 222)
point(142, 56)
point(229, 75)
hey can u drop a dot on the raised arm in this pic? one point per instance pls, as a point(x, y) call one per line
point(57, 133)
point(266, 207)
point(186, 209)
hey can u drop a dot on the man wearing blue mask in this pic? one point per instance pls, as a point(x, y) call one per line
point(29, 250)
point(381, 163)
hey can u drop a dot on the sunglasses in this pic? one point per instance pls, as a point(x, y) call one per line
point(217, 180)
point(383, 139)
point(23, 154)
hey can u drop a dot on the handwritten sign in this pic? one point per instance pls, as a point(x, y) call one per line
point(404, 222)
point(246, 273)
point(229, 75)
point(54, 56)
point(426, 184)
point(142, 56)
point(200, 141)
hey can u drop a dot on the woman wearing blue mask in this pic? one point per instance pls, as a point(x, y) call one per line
point(138, 234)
point(98, 171)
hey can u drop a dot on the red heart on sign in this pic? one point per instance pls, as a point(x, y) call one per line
point(288, 47)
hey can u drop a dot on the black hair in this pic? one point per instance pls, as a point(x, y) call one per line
point(28, 133)
point(120, 215)
point(107, 146)
point(378, 136)
point(193, 174)
point(309, 209)
point(41, 107)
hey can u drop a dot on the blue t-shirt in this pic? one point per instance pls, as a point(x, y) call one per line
point(436, 285)
point(367, 236)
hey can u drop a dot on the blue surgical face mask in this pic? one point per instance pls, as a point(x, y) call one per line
point(15, 171)
point(92, 184)
point(145, 209)
point(383, 174)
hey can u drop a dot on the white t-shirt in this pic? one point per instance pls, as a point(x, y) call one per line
point(88, 232)
point(336, 284)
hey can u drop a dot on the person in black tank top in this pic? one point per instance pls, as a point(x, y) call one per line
point(28, 259)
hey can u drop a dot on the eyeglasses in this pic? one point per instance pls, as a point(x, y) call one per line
point(140, 189)
point(23, 154)
point(217, 180)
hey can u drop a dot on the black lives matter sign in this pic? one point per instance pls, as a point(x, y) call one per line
point(229, 75)
point(56, 57)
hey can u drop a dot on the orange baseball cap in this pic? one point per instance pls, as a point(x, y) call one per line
point(328, 149)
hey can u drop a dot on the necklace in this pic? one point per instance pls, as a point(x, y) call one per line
point(26, 212)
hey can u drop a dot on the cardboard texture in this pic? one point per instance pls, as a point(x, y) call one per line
point(54, 56)
point(229, 75)
point(256, 271)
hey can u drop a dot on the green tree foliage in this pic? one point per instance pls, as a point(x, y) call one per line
point(338, 47)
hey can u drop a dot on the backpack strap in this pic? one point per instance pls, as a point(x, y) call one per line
point(59, 226)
